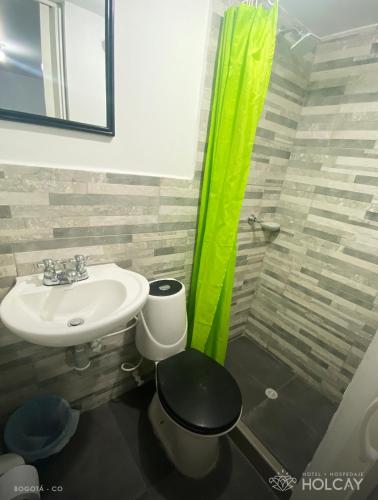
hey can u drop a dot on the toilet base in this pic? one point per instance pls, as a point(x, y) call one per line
point(194, 455)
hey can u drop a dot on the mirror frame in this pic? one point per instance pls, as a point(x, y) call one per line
point(109, 129)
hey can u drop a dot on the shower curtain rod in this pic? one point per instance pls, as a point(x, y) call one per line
point(256, 2)
point(281, 8)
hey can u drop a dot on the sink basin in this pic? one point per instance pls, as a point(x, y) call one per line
point(102, 304)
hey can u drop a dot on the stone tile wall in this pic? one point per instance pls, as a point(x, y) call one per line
point(146, 224)
point(273, 145)
point(316, 306)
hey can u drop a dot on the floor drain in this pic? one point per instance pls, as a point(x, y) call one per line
point(75, 322)
point(271, 393)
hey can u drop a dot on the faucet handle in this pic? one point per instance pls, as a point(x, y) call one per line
point(49, 268)
point(81, 266)
point(81, 263)
point(45, 265)
point(81, 259)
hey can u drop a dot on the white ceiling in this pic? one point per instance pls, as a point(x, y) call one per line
point(325, 17)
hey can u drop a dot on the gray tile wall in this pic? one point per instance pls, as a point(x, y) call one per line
point(273, 145)
point(146, 224)
point(316, 305)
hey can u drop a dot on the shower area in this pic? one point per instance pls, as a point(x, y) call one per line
point(305, 298)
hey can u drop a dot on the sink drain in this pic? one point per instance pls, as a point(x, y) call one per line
point(75, 322)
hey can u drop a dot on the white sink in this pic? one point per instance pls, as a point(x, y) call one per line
point(105, 302)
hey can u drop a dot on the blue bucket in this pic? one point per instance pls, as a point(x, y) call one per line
point(40, 427)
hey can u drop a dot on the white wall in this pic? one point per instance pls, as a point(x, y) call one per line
point(343, 446)
point(160, 52)
point(84, 33)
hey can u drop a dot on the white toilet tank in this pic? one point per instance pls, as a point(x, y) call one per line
point(162, 327)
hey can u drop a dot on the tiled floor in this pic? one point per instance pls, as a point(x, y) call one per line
point(291, 426)
point(115, 456)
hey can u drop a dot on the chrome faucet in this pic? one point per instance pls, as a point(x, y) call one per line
point(63, 272)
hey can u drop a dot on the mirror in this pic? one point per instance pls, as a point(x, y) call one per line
point(56, 63)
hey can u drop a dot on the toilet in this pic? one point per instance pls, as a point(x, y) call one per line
point(196, 400)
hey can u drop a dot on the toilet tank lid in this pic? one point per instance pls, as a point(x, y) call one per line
point(165, 287)
point(198, 393)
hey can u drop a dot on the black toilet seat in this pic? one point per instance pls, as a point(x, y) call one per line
point(198, 393)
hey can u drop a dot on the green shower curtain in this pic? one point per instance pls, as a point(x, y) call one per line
point(243, 71)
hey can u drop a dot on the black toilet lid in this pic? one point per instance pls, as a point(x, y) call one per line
point(198, 393)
